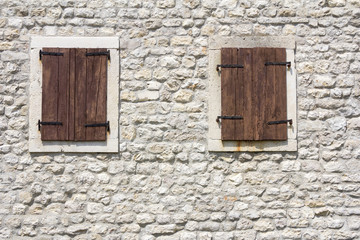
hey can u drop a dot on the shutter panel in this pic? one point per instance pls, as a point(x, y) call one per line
point(228, 93)
point(55, 94)
point(91, 90)
point(275, 99)
point(96, 86)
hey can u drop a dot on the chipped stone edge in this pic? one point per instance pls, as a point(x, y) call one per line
point(215, 143)
point(112, 143)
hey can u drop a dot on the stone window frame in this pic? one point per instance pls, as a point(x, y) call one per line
point(215, 144)
point(111, 145)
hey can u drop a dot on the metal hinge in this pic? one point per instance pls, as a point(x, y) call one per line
point(106, 124)
point(47, 123)
point(107, 53)
point(290, 121)
point(49, 53)
point(228, 117)
point(228, 66)
point(288, 64)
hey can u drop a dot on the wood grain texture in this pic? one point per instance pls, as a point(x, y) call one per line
point(96, 95)
point(228, 93)
point(50, 94)
point(281, 105)
point(80, 94)
point(246, 131)
point(63, 95)
point(72, 88)
point(257, 92)
point(275, 98)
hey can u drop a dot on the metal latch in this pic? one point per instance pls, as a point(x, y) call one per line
point(47, 123)
point(106, 124)
point(107, 53)
point(290, 121)
point(288, 64)
point(228, 66)
point(49, 53)
point(228, 117)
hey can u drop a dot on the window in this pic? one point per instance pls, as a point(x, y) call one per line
point(253, 94)
point(74, 88)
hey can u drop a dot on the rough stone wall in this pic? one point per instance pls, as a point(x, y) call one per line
point(164, 184)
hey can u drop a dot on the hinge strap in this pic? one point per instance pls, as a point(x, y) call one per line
point(228, 117)
point(49, 53)
point(290, 121)
point(107, 53)
point(288, 64)
point(228, 66)
point(106, 124)
point(47, 123)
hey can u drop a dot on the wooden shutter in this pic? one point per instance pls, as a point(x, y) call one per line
point(275, 95)
point(91, 95)
point(255, 92)
point(74, 93)
point(55, 94)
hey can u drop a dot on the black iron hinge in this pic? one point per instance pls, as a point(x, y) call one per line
point(288, 64)
point(228, 66)
point(290, 121)
point(47, 123)
point(107, 53)
point(49, 53)
point(106, 124)
point(228, 117)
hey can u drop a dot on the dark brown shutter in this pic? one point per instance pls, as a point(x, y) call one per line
point(91, 89)
point(275, 98)
point(255, 92)
point(55, 94)
point(74, 93)
point(229, 78)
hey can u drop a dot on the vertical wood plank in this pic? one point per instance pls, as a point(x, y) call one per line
point(228, 75)
point(50, 94)
point(281, 105)
point(91, 88)
point(96, 95)
point(72, 91)
point(80, 94)
point(244, 101)
point(63, 96)
point(101, 114)
point(258, 92)
point(270, 98)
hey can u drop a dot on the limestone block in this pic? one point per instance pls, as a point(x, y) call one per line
point(336, 3)
point(165, 3)
point(181, 40)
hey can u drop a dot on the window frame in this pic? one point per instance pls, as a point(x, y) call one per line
point(215, 143)
point(111, 145)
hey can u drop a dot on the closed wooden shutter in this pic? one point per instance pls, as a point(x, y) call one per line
point(55, 89)
point(74, 92)
point(256, 92)
point(275, 95)
point(91, 95)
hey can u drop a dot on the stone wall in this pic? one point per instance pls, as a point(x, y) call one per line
point(164, 183)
